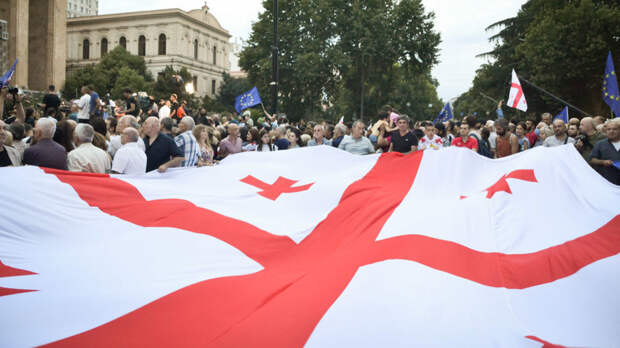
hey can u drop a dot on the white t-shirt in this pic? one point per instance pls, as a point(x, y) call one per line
point(84, 105)
point(164, 112)
point(129, 159)
point(493, 140)
point(425, 143)
point(115, 144)
point(616, 145)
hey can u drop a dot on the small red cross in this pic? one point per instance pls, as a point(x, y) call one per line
point(273, 191)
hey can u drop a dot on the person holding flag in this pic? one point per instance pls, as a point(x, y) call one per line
point(611, 93)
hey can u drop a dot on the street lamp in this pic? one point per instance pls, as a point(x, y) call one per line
point(275, 82)
point(189, 88)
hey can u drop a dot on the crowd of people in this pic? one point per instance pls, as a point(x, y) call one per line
point(131, 137)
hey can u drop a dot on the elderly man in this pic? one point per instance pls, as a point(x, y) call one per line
point(606, 153)
point(232, 143)
point(115, 140)
point(560, 137)
point(87, 157)
point(592, 137)
point(187, 142)
point(9, 156)
point(546, 118)
point(129, 159)
point(357, 143)
point(161, 151)
point(46, 152)
point(319, 137)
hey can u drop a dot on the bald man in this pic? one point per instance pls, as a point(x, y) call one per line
point(587, 128)
point(161, 151)
point(232, 143)
point(129, 159)
point(560, 137)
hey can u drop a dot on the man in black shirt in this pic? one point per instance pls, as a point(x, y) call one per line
point(161, 151)
point(132, 105)
point(51, 101)
point(403, 140)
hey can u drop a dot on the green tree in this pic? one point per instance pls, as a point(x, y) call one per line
point(559, 45)
point(340, 54)
point(128, 78)
point(230, 89)
point(168, 82)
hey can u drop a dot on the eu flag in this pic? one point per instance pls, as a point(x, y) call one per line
point(563, 115)
point(610, 87)
point(4, 80)
point(247, 100)
point(445, 114)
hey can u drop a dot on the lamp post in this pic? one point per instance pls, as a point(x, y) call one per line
point(275, 81)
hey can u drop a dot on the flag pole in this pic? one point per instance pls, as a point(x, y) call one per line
point(556, 98)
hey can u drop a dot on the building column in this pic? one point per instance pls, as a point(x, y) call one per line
point(47, 44)
point(18, 40)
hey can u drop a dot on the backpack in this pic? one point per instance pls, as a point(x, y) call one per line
point(484, 148)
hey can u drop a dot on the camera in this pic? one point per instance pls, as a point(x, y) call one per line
point(13, 90)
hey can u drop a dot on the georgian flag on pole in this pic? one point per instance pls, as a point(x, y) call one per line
point(351, 253)
point(516, 99)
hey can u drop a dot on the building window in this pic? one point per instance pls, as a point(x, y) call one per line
point(196, 49)
point(85, 49)
point(104, 47)
point(214, 55)
point(122, 42)
point(162, 45)
point(196, 83)
point(142, 46)
point(213, 87)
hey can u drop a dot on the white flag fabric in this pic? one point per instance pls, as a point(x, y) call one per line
point(516, 99)
point(315, 247)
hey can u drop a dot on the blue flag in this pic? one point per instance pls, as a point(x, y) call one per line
point(445, 114)
point(247, 100)
point(4, 80)
point(563, 115)
point(611, 95)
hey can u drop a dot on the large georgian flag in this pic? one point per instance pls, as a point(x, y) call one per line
point(315, 247)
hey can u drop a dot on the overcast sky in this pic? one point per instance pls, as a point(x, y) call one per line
point(461, 24)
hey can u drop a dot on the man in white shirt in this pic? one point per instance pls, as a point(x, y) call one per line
point(84, 105)
point(115, 140)
point(165, 110)
point(430, 139)
point(357, 143)
point(129, 159)
point(87, 157)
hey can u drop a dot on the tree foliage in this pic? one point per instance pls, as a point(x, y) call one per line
point(230, 89)
point(339, 54)
point(559, 45)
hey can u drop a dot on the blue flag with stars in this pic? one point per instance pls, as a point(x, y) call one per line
point(445, 114)
point(4, 79)
point(247, 100)
point(563, 115)
point(611, 94)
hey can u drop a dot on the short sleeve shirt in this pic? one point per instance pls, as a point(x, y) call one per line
point(51, 100)
point(162, 150)
point(471, 143)
point(361, 146)
point(229, 147)
point(133, 101)
point(403, 143)
point(129, 159)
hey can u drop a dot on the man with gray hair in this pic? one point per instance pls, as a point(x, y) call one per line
point(87, 157)
point(46, 152)
point(319, 137)
point(115, 140)
point(129, 159)
point(357, 143)
point(187, 142)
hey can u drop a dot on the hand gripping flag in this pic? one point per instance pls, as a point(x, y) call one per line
point(247, 100)
point(516, 99)
point(611, 93)
point(445, 114)
point(563, 115)
point(6, 78)
point(293, 254)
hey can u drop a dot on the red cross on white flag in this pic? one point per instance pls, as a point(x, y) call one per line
point(516, 100)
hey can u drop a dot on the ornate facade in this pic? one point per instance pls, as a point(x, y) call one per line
point(194, 40)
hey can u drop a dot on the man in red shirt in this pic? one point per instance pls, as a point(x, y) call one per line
point(465, 140)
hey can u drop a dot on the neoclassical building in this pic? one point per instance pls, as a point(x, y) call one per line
point(194, 40)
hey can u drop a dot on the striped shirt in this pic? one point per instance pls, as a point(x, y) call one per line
point(186, 142)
